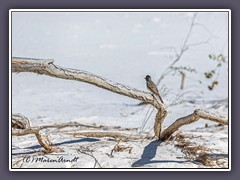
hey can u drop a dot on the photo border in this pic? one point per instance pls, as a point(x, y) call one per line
point(121, 10)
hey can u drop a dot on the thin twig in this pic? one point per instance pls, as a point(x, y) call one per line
point(87, 151)
point(185, 47)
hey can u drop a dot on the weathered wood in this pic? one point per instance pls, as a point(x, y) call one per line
point(47, 67)
point(32, 130)
point(197, 114)
point(109, 134)
point(20, 122)
point(158, 132)
point(211, 116)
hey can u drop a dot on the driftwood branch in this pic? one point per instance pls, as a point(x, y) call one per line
point(47, 67)
point(163, 136)
point(49, 148)
point(20, 122)
point(195, 116)
point(32, 130)
point(100, 134)
point(21, 127)
point(110, 134)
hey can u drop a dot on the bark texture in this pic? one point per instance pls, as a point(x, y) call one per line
point(47, 67)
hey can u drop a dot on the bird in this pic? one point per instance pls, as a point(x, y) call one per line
point(152, 87)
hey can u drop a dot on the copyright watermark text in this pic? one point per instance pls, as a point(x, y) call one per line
point(44, 159)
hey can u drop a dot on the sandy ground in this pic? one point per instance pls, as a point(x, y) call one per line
point(146, 154)
point(94, 152)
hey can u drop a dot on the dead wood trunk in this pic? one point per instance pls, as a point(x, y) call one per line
point(47, 67)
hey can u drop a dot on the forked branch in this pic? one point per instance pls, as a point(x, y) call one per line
point(195, 116)
point(47, 67)
point(117, 135)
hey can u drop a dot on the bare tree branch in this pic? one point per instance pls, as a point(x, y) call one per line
point(200, 43)
point(32, 130)
point(197, 114)
point(158, 132)
point(109, 134)
point(183, 49)
point(185, 46)
point(35, 131)
point(20, 122)
point(206, 29)
point(47, 67)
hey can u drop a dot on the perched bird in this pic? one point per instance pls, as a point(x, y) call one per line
point(152, 87)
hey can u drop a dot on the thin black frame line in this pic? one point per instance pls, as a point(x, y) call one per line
point(124, 168)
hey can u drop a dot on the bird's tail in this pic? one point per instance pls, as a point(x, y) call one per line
point(160, 98)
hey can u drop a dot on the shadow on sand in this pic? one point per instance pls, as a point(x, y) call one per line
point(57, 144)
point(149, 153)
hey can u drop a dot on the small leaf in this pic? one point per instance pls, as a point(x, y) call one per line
point(215, 83)
point(220, 57)
point(210, 88)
